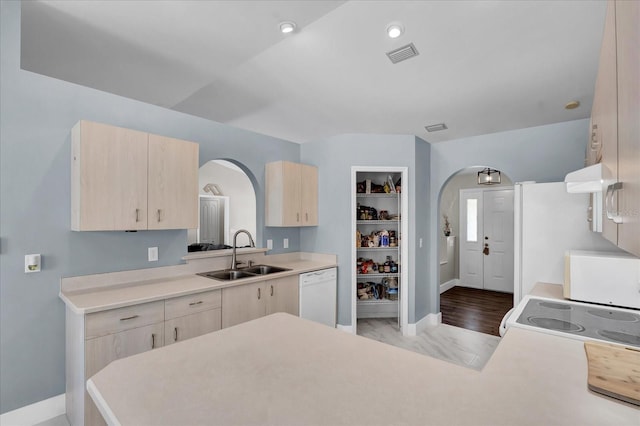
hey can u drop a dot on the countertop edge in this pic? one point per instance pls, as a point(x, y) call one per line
point(208, 285)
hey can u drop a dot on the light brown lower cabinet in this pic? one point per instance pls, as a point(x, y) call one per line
point(96, 339)
point(100, 351)
point(183, 328)
point(250, 301)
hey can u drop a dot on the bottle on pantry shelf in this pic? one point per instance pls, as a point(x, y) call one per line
point(387, 265)
point(394, 267)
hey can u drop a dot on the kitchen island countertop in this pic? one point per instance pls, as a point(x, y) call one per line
point(285, 370)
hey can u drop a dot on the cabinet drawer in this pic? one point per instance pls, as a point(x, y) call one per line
point(116, 320)
point(192, 303)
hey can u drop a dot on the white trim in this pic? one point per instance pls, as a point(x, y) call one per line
point(108, 415)
point(421, 325)
point(346, 328)
point(449, 285)
point(35, 413)
point(404, 247)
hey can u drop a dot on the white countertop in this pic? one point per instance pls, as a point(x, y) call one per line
point(143, 290)
point(283, 370)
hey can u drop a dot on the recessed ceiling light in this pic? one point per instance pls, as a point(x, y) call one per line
point(394, 30)
point(287, 27)
point(572, 105)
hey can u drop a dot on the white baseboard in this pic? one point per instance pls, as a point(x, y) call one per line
point(429, 320)
point(346, 328)
point(449, 285)
point(35, 413)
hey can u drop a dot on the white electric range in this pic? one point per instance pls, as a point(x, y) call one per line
point(578, 320)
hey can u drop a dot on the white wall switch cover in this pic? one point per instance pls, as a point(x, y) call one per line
point(269, 244)
point(153, 254)
point(420, 242)
point(285, 243)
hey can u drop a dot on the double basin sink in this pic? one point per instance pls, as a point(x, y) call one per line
point(248, 272)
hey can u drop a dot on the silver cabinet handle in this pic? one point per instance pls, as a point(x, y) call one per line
point(272, 289)
point(258, 294)
point(297, 217)
point(159, 215)
point(175, 334)
point(137, 215)
point(129, 318)
point(612, 214)
point(153, 340)
point(306, 216)
point(195, 303)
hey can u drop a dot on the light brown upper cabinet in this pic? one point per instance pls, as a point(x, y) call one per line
point(173, 183)
point(291, 194)
point(124, 179)
point(615, 128)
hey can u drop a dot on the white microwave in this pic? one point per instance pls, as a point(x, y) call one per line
point(602, 277)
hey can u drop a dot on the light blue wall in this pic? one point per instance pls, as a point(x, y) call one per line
point(542, 154)
point(36, 115)
point(334, 158)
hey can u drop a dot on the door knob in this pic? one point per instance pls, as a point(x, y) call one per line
point(486, 250)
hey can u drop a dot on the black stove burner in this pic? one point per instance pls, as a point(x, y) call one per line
point(556, 324)
point(629, 339)
point(613, 315)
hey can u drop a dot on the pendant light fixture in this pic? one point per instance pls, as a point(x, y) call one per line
point(489, 176)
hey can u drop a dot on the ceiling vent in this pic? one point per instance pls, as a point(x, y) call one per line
point(436, 127)
point(403, 53)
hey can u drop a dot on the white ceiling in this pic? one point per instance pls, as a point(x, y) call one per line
point(483, 66)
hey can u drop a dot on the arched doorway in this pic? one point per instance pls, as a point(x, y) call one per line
point(475, 250)
point(227, 204)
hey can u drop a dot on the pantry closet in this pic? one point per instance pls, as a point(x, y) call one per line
point(379, 253)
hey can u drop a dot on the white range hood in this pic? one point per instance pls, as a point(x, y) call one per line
point(589, 179)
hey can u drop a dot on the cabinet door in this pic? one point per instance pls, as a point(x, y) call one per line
point(282, 183)
point(628, 60)
point(99, 352)
point(173, 183)
point(605, 112)
point(243, 303)
point(309, 195)
point(283, 295)
point(182, 328)
point(108, 178)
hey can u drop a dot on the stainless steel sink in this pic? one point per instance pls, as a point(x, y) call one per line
point(251, 271)
point(264, 269)
point(227, 275)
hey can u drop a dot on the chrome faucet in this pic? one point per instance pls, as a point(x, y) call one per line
point(235, 237)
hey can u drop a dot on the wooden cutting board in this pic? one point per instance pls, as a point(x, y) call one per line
point(614, 371)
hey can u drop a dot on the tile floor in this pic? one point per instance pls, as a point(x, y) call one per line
point(457, 345)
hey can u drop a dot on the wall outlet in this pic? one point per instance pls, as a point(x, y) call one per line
point(269, 244)
point(153, 254)
point(285, 243)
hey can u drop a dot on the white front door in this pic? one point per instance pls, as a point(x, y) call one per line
point(486, 239)
point(498, 240)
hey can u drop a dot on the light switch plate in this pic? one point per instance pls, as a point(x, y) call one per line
point(285, 243)
point(269, 244)
point(153, 254)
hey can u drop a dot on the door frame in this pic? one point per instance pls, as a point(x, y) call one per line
point(481, 230)
point(404, 244)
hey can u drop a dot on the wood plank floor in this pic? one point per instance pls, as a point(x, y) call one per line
point(474, 309)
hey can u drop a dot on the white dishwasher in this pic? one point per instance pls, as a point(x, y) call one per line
point(318, 296)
